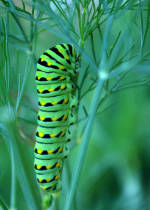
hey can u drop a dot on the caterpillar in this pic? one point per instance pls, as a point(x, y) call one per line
point(57, 102)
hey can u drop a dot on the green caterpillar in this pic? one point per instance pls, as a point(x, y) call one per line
point(56, 70)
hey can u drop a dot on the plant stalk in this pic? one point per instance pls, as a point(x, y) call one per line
point(84, 144)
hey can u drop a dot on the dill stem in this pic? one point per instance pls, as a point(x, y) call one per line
point(84, 144)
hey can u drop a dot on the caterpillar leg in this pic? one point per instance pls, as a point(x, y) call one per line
point(73, 116)
point(74, 101)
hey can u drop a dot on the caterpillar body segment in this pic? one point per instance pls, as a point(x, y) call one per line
point(57, 112)
point(55, 103)
point(57, 89)
point(52, 134)
point(46, 166)
point(52, 77)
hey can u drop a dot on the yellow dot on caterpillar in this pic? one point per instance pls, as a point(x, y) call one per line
point(67, 57)
point(60, 50)
point(62, 67)
point(66, 100)
point(54, 102)
point(41, 134)
point(48, 180)
point(62, 133)
point(40, 90)
point(39, 151)
point(49, 63)
point(62, 87)
point(50, 151)
point(62, 78)
point(42, 103)
point(60, 149)
point(38, 166)
point(44, 188)
point(51, 89)
point(58, 165)
point(56, 177)
point(49, 78)
point(42, 59)
point(40, 180)
point(65, 117)
point(52, 135)
point(48, 167)
point(42, 118)
point(54, 119)
point(39, 78)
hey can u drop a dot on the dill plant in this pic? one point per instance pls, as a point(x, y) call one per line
point(112, 38)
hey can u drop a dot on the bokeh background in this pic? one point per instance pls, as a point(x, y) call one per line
point(116, 171)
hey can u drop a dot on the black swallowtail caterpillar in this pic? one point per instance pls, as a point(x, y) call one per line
point(56, 69)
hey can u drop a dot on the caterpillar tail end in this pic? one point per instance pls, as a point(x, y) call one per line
point(47, 201)
point(49, 198)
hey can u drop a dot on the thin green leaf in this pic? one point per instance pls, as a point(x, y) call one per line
point(2, 204)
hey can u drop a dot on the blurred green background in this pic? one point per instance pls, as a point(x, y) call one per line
point(116, 169)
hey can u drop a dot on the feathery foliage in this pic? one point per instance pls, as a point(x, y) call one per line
point(112, 37)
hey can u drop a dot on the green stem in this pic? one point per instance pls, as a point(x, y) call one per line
point(20, 170)
point(86, 137)
point(56, 202)
point(84, 144)
point(93, 48)
point(20, 27)
point(32, 23)
point(3, 204)
point(13, 179)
